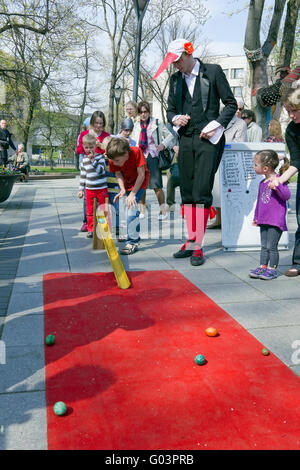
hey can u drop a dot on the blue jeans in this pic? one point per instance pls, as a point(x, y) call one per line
point(132, 219)
point(115, 205)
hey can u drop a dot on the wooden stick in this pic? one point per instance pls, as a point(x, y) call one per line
point(98, 243)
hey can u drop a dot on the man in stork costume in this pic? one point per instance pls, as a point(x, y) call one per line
point(193, 109)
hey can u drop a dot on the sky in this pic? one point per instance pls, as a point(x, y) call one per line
point(225, 32)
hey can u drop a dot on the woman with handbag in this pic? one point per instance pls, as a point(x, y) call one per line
point(152, 137)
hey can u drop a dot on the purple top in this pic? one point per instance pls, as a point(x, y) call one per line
point(271, 205)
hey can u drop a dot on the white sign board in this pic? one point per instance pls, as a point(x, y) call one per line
point(238, 190)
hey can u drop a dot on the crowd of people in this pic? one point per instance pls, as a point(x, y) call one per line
point(203, 115)
point(124, 166)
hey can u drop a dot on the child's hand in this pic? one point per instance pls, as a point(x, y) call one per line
point(254, 223)
point(80, 194)
point(120, 194)
point(91, 155)
point(131, 200)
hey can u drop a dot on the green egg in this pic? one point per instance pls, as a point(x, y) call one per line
point(60, 408)
point(200, 359)
point(265, 351)
point(50, 340)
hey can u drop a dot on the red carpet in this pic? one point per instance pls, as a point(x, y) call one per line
point(123, 363)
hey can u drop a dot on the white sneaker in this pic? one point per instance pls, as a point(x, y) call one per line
point(162, 216)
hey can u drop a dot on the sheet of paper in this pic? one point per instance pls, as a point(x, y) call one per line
point(219, 131)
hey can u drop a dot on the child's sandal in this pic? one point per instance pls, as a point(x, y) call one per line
point(129, 249)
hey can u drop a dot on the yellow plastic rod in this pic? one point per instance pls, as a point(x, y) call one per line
point(112, 253)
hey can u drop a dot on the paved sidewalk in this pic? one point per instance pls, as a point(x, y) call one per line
point(39, 233)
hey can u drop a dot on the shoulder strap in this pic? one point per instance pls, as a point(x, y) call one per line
point(157, 131)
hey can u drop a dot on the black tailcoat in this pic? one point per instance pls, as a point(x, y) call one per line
point(198, 158)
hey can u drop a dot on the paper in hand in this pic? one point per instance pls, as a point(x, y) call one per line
point(211, 126)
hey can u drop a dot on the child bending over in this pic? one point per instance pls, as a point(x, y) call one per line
point(132, 175)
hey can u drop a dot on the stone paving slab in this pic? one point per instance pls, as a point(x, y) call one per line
point(26, 370)
point(23, 330)
point(23, 421)
point(279, 340)
point(268, 314)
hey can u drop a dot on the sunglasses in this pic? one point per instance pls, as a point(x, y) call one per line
point(244, 117)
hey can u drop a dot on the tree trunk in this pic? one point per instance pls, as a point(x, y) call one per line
point(27, 124)
point(288, 39)
point(85, 85)
point(258, 55)
point(111, 121)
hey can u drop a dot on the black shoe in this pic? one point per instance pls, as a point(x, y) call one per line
point(197, 260)
point(89, 235)
point(183, 253)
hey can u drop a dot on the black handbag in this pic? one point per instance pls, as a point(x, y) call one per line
point(165, 159)
point(165, 156)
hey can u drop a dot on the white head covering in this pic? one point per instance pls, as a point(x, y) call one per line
point(175, 49)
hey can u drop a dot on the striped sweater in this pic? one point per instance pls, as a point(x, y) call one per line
point(92, 174)
point(112, 182)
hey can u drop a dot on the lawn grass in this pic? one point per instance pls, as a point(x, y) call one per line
point(47, 169)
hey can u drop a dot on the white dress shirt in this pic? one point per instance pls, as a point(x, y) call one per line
point(190, 79)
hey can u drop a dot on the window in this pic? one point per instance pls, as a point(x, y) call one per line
point(236, 73)
point(237, 91)
point(226, 71)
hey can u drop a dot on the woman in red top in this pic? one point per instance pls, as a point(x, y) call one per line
point(97, 124)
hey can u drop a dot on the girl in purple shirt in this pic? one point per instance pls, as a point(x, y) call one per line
point(270, 213)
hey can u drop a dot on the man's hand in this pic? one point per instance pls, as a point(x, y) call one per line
point(182, 120)
point(207, 135)
point(80, 194)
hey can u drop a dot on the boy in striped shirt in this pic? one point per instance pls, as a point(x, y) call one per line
point(92, 178)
